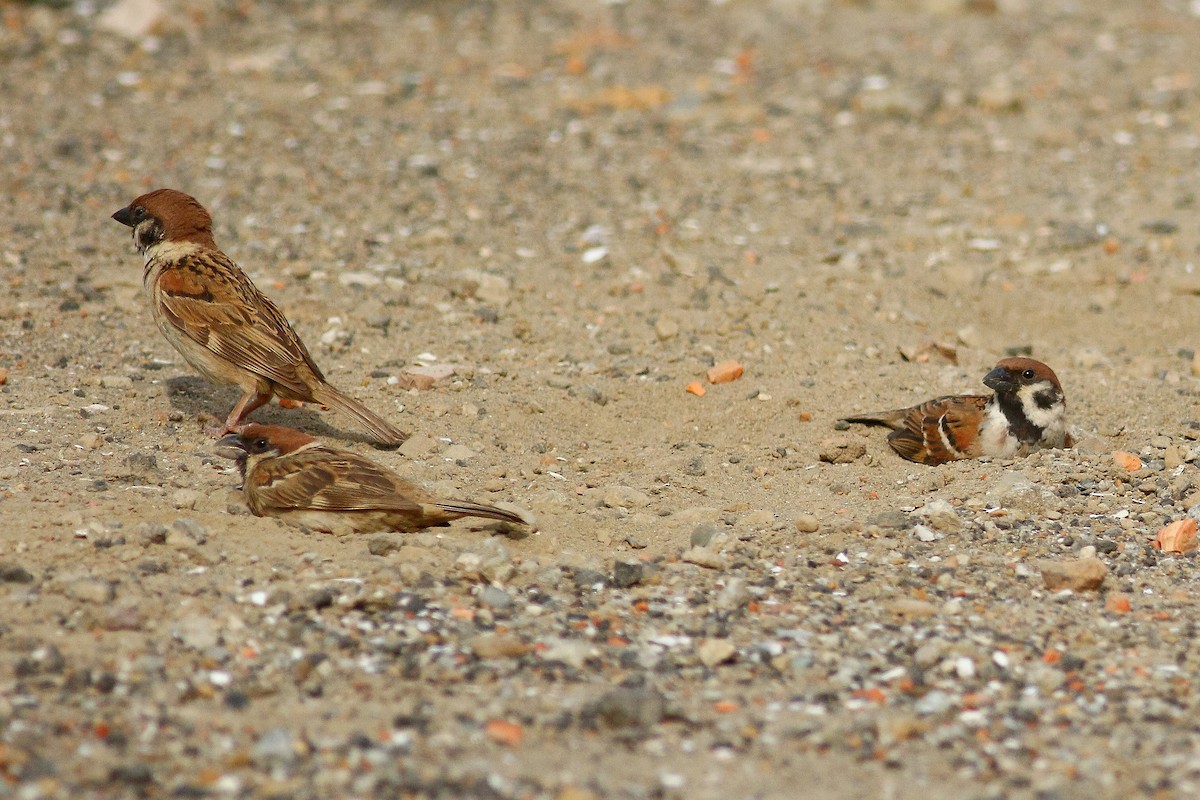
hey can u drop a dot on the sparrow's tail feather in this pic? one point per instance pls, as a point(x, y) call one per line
point(386, 433)
point(462, 508)
point(889, 419)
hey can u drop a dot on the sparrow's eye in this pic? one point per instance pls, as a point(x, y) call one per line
point(1027, 374)
point(260, 443)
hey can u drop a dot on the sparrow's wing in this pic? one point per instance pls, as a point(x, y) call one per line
point(322, 479)
point(213, 303)
point(940, 430)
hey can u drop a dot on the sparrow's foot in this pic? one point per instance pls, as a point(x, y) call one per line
point(214, 426)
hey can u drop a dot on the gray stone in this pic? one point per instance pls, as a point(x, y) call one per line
point(152, 533)
point(494, 597)
point(383, 545)
point(588, 578)
point(892, 520)
point(625, 707)
point(190, 528)
point(276, 746)
point(14, 573)
point(627, 573)
point(703, 535)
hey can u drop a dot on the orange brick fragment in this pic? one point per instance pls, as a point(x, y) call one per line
point(725, 372)
point(1127, 461)
point(506, 733)
point(873, 694)
point(1178, 537)
point(1118, 604)
point(286, 403)
point(696, 388)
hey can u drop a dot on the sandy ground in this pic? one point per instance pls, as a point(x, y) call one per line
point(582, 207)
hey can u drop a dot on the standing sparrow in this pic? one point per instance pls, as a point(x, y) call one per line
point(1027, 412)
point(213, 314)
point(290, 475)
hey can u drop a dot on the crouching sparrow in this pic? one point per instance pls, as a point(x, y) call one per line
point(1028, 412)
point(290, 475)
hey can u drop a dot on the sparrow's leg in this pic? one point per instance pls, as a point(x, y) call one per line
point(245, 406)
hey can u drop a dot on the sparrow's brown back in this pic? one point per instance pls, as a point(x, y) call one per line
point(315, 484)
point(323, 479)
point(939, 430)
point(206, 296)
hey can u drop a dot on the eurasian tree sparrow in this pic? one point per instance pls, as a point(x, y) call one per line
point(290, 475)
point(215, 316)
point(1028, 412)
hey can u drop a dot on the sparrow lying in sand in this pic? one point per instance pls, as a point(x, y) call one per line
point(213, 314)
point(1028, 412)
point(290, 475)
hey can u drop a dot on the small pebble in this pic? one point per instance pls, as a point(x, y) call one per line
point(91, 590)
point(1082, 574)
point(185, 499)
point(715, 651)
point(627, 573)
point(807, 523)
point(625, 497)
point(494, 597)
point(704, 557)
point(841, 450)
point(703, 535)
point(630, 708)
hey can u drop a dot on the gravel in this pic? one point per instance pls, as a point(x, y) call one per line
point(522, 235)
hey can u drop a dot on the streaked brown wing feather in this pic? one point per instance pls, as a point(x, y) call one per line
point(321, 479)
point(909, 445)
point(226, 314)
point(927, 427)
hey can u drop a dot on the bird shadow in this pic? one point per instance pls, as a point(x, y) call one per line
point(198, 399)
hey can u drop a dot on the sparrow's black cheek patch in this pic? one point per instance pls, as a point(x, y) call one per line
point(147, 234)
point(1045, 398)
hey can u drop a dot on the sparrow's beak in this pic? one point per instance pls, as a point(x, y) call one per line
point(1000, 380)
point(124, 216)
point(230, 446)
